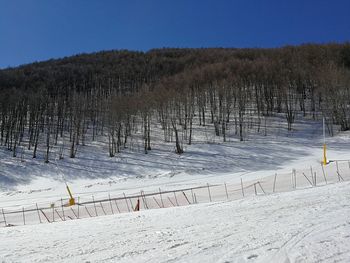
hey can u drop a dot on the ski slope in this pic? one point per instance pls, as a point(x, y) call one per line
point(304, 225)
point(311, 225)
point(208, 160)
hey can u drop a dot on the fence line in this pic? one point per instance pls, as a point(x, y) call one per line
point(297, 179)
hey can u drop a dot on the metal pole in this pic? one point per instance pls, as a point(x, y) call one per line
point(53, 212)
point(336, 162)
point(161, 198)
point(93, 200)
point(116, 204)
point(255, 189)
point(188, 201)
point(64, 218)
point(242, 187)
point(307, 179)
point(324, 174)
point(209, 192)
point(170, 201)
point(103, 208)
point(24, 218)
point(315, 178)
point(324, 143)
point(176, 199)
point(262, 188)
point(37, 209)
point(274, 183)
point(144, 199)
point(110, 203)
point(324, 131)
point(78, 207)
point(226, 191)
point(126, 201)
point(87, 210)
point(3, 214)
point(155, 200)
point(193, 201)
point(312, 175)
point(73, 212)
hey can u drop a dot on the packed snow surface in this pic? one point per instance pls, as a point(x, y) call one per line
point(306, 224)
point(311, 225)
point(207, 160)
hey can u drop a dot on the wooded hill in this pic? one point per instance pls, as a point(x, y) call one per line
point(116, 94)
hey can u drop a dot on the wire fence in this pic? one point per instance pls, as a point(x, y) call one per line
point(335, 171)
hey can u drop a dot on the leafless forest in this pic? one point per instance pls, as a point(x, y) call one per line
point(117, 94)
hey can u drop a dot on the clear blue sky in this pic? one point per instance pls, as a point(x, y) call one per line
point(35, 30)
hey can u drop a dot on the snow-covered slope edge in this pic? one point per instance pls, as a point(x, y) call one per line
point(305, 225)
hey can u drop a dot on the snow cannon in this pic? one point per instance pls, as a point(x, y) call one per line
point(324, 155)
point(71, 199)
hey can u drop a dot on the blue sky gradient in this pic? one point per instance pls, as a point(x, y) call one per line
point(35, 30)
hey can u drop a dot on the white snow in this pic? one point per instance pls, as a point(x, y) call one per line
point(309, 224)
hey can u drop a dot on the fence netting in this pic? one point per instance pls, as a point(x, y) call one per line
point(313, 176)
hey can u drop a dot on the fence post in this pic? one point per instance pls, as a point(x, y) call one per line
point(93, 200)
point(195, 198)
point(209, 192)
point(340, 177)
point(193, 201)
point(295, 178)
point(226, 191)
point(312, 176)
point(144, 200)
point(188, 201)
point(110, 203)
point(53, 211)
point(308, 179)
point(3, 215)
point(48, 220)
point(242, 187)
point(176, 199)
point(78, 207)
point(315, 179)
point(103, 208)
point(87, 210)
point(336, 163)
point(324, 174)
point(161, 198)
point(126, 201)
point(24, 218)
point(64, 217)
point(37, 209)
point(74, 213)
point(274, 183)
point(170, 201)
point(155, 200)
point(131, 205)
point(255, 189)
point(262, 188)
point(116, 204)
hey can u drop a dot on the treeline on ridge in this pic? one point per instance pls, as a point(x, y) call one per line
point(116, 94)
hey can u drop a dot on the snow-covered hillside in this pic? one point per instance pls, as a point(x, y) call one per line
point(310, 225)
point(208, 160)
point(301, 225)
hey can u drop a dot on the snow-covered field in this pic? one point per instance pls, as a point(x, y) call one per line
point(309, 225)
point(94, 173)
